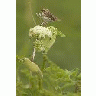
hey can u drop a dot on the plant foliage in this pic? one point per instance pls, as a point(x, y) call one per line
point(47, 79)
point(54, 81)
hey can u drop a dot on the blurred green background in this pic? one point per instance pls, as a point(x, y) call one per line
point(66, 52)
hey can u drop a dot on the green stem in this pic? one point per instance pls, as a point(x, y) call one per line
point(44, 61)
point(40, 83)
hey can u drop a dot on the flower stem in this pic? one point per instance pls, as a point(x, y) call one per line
point(44, 61)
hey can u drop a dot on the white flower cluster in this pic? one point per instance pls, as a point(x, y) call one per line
point(44, 37)
point(40, 32)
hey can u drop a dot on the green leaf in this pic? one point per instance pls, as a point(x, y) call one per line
point(33, 67)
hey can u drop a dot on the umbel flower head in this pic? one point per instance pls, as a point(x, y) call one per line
point(44, 37)
point(40, 32)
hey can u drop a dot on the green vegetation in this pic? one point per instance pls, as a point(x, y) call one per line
point(54, 81)
point(48, 79)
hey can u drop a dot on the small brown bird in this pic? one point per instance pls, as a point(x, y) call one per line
point(47, 16)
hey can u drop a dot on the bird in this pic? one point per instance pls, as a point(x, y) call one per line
point(47, 16)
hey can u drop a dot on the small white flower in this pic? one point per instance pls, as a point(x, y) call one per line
point(40, 32)
point(44, 37)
